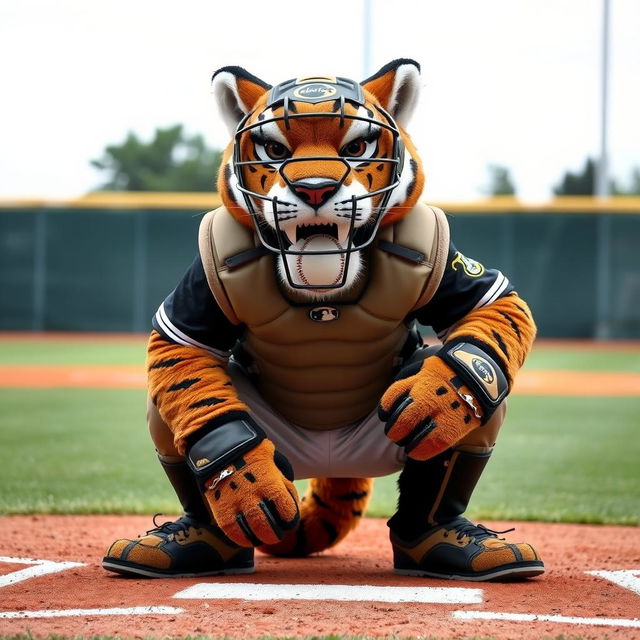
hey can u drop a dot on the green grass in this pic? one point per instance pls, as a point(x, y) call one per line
point(62, 351)
point(88, 451)
point(547, 357)
point(132, 352)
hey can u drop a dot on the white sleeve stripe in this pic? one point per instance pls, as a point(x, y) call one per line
point(500, 284)
point(182, 338)
point(498, 293)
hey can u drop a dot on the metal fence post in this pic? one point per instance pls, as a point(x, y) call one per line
point(39, 291)
point(603, 329)
point(139, 279)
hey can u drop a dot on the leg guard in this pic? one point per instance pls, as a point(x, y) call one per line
point(190, 546)
point(429, 535)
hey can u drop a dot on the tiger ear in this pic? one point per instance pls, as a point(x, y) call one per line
point(397, 88)
point(236, 91)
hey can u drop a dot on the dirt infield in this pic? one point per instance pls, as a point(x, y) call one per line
point(41, 597)
point(534, 381)
point(51, 581)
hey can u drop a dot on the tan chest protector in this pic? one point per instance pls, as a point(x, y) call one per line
point(318, 373)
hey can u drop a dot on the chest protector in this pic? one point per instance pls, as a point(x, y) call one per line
point(325, 365)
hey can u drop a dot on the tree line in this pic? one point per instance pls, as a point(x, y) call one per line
point(175, 161)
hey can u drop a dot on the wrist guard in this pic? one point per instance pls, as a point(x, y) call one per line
point(479, 371)
point(227, 438)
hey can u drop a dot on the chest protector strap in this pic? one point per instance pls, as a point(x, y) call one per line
point(421, 238)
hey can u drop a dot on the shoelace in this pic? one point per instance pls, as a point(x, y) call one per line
point(182, 524)
point(477, 531)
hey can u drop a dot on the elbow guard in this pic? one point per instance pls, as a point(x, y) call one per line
point(480, 370)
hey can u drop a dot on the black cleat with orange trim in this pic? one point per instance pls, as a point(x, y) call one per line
point(184, 548)
point(461, 550)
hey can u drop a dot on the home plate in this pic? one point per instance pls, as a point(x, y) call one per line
point(346, 592)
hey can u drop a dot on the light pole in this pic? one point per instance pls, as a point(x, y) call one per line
point(366, 38)
point(602, 169)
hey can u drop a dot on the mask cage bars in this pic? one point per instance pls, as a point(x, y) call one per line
point(368, 230)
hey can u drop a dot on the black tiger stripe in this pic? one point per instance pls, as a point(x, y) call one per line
point(300, 547)
point(501, 344)
point(369, 179)
point(227, 182)
point(353, 495)
point(162, 364)
point(331, 531)
point(523, 311)
point(356, 513)
point(512, 322)
point(414, 178)
point(185, 384)
point(206, 402)
point(263, 180)
point(320, 501)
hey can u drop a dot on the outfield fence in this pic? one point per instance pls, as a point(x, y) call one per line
point(104, 262)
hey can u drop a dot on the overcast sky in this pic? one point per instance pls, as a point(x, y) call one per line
point(511, 82)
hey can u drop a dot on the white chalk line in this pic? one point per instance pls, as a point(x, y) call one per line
point(534, 617)
point(344, 592)
point(63, 613)
point(627, 579)
point(38, 568)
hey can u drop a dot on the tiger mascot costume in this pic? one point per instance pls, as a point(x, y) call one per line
point(289, 349)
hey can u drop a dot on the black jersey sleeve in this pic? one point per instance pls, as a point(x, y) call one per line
point(191, 316)
point(466, 285)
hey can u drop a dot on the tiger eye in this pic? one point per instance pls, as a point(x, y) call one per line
point(355, 148)
point(276, 150)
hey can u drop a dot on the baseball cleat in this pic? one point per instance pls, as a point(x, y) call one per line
point(184, 548)
point(461, 550)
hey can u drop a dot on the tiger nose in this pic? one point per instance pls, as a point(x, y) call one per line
point(315, 194)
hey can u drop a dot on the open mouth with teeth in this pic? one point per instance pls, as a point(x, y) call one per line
point(295, 232)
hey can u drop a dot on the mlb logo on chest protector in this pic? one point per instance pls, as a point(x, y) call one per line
point(324, 314)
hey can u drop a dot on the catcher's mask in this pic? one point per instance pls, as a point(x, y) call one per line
point(317, 90)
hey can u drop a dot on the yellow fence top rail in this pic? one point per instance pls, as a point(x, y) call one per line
point(204, 201)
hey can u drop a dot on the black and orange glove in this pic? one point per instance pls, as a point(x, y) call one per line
point(247, 484)
point(434, 403)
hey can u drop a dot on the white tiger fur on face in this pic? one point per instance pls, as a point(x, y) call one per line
point(308, 170)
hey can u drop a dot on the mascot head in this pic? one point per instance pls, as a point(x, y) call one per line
point(317, 164)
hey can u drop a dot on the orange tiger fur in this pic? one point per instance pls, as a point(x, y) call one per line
point(188, 386)
point(330, 509)
point(506, 325)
